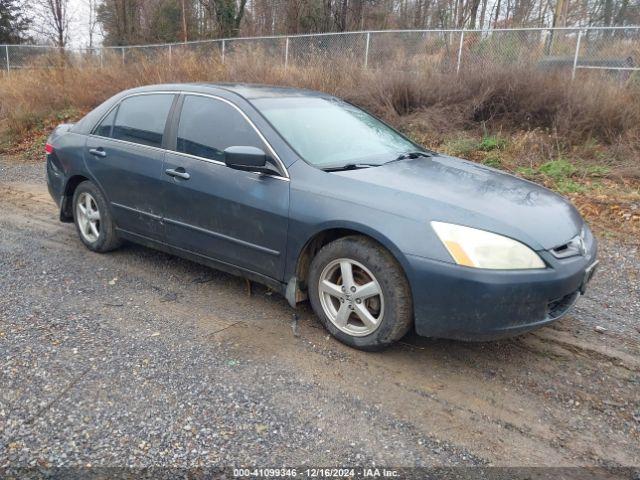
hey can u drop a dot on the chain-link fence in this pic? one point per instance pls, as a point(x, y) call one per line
point(613, 52)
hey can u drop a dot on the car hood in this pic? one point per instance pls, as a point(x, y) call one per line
point(458, 191)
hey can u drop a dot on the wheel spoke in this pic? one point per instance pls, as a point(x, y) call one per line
point(331, 288)
point(82, 209)
point(364, 315)
point(347, 274)
point(343, 315)
point(367, 290)
point(87, 203)
point(82, 221)
point(94, 229)
point(345, 287)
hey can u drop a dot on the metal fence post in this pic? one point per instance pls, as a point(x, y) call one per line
point(122, 55)
point(286, 53)
point(575, 58)
point(366, 50)
point(224, 44)
point(460, 53)
point(6, 51)
point(170, 54)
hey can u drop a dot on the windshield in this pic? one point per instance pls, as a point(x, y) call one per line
point(329, 132)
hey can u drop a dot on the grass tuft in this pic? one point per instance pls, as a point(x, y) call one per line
point(492, 142)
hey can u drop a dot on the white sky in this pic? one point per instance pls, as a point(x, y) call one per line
point(78, 23)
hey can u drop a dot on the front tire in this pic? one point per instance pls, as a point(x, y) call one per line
point(360, 293)
point(93, 219)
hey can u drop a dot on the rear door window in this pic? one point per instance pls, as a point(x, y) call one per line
point(208, 126)
point(141, 119)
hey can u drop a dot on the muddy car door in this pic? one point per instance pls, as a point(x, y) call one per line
point(232, 216)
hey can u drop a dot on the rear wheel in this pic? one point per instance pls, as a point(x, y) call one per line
point(360, 293)
point(93, 219)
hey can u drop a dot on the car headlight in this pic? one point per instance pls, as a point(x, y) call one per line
point(477, 248)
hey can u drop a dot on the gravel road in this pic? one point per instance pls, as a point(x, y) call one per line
point(137, 358)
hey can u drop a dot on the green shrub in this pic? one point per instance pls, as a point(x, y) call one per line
point(566, 185)
point(493, 161)
point(491, 142)
point(558, 169)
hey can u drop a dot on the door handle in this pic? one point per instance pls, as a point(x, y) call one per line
point(98, 152)
point(178, 172)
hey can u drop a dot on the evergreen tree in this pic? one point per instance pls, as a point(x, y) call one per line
point(14, 25)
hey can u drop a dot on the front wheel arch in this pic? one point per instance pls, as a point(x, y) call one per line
point(325, 236)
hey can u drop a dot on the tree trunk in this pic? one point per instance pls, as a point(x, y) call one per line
point(184, 22)
point(474, 13)
point(483, 13)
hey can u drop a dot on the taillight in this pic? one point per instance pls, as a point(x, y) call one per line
point(48, 148)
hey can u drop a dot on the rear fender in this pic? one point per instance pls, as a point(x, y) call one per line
point(60, 130)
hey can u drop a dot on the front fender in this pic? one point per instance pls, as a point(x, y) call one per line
point(354, 226)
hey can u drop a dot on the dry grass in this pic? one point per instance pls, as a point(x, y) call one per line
point(500, 99)
point(580, 138)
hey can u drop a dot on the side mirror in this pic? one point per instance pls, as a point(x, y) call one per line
point(248, 159)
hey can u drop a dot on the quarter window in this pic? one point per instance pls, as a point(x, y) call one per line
point(142, 118)
point(208, 126)
point(104, 129)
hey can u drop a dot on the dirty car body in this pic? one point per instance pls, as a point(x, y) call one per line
point(267, 224)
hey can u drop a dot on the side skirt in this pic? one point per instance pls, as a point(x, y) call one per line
point(204, 260)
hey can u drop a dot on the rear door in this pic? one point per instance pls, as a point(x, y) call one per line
point(239, 218)
point(125, 155)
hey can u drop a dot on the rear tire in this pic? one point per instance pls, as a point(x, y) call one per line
point(360, 293)
point(93, 219)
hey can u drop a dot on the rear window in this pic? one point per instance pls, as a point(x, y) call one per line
point(141, 119)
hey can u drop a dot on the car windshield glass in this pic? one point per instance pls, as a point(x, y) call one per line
point(328, 132)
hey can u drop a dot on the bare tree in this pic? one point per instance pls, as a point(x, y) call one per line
point(52, 20)
point(147, 21)
point(184, 22)
point(93, 20)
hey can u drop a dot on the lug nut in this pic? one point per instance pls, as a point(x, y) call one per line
point(344, 289)
point(353, 289)
point(358, 300)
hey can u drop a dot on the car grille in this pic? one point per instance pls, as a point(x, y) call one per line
point(557, 308)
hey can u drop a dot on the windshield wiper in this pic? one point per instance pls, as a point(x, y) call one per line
point(416, 154)
point(350, 166)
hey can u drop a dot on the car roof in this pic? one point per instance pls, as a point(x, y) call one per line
point(248, 91)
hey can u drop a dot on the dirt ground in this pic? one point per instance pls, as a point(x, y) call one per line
point(565, 395)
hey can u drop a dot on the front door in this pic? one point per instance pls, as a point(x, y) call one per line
point(239, 218)
point(124, 155)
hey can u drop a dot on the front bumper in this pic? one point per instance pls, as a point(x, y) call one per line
point(451, 301)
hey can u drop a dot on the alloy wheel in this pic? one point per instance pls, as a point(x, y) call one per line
point(88, 217)
point(351, 297)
